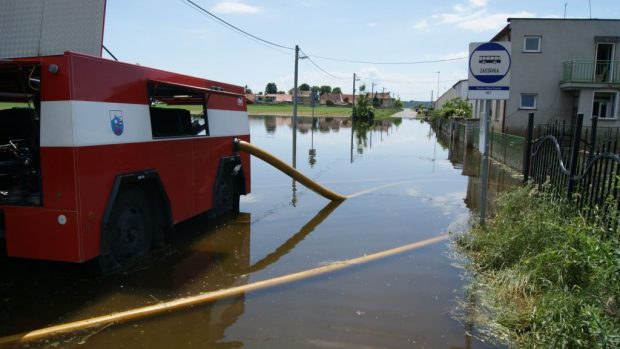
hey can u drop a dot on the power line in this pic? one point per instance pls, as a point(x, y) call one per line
point(202, 9)
point(197, 7)
point(321, 69)
point(387, 63)
point(411, 81)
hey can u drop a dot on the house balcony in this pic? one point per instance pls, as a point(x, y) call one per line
point(590, 74)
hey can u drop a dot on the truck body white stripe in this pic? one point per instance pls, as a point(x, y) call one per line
point(84, 123)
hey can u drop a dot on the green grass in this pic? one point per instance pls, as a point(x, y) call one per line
point(302, 110)
point(543, 276)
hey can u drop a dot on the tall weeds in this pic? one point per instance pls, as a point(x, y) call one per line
point(544, 277)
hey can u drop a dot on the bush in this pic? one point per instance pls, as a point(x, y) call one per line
point(363, 111)
point(454, 107)
point(546, 277)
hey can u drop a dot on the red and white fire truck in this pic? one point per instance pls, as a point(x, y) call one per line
point(100, 158)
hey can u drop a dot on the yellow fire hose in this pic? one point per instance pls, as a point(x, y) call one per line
point(289, 170)
point(183, 303)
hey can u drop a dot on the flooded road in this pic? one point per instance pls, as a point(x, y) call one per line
point(411, 187)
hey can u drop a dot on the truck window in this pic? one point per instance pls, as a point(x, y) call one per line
point(177, 112)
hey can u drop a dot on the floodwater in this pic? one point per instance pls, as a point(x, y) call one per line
point(411, 187)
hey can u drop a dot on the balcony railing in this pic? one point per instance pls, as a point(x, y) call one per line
point(592, 72)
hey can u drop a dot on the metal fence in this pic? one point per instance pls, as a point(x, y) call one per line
point(507, 149)
point(578, 165)
point(504, 148)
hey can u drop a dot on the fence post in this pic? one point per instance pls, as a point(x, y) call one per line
point(574, 154)
point(527, 149)
point(593, 137)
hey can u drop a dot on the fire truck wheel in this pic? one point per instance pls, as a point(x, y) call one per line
point(130, 229)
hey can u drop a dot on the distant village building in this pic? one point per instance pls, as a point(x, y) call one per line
point(332, 99)
point(458, 90)
point(560, 67)
point(385, 100)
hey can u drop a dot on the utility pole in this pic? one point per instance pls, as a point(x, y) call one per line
point(295, 107)
point(354, 80)
point(437, 102)
point(484, 179)
point(382, 97)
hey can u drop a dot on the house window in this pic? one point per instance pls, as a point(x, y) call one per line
point(604, 105)
point(528, 101)
point(532, 43)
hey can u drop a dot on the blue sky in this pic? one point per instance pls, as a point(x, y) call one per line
point(170, 35)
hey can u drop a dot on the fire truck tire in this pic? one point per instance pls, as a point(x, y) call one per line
point(129, 232)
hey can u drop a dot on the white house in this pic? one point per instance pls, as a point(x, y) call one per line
point(560, 67)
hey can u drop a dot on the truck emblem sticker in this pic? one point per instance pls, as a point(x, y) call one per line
point(240, 102)
point(116, 122)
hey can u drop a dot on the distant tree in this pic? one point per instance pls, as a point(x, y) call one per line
point(315, 89)
point(290, 92)
point(398, 103)
point(281, 92)
point(271, 88)
point(363, 111)
point(325, 89)
point(336, 90)
point(260, 93)
point(362, 89)
point(304, 87)
point(248, 91)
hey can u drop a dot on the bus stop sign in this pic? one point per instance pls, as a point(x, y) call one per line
point(489, 70)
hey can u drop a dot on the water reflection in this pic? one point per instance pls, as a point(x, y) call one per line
point(194, 263)
point(361, 133)
point(468, 160)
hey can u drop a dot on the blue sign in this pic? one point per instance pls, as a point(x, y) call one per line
point(489, 70)
point(116, 122)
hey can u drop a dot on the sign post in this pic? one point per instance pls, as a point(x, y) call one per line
point(489, 79)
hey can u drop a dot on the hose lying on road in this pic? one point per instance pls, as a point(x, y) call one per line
point(183, 303)
point(289, 170)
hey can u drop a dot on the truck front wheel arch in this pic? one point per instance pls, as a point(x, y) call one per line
point(135, 219)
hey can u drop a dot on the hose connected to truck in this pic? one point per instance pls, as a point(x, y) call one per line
point(289, 170)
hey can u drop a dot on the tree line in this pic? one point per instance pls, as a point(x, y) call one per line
point(272, 88)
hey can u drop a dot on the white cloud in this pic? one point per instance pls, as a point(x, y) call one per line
point(421, 25)
point(491, 22)
point(371, 24)
point(478, 3)
point(474, 15)
point(234, 7)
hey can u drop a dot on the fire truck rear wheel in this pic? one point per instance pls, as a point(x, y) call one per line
point(131, 226)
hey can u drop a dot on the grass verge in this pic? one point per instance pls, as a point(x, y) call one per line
point(320, 111)
point(542, 276)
